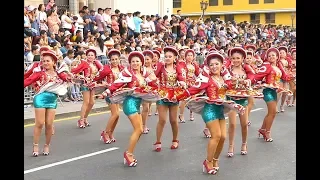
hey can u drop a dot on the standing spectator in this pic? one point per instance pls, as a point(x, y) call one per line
point(137, 23)
point(42, 17)
point(53, 21)
point(50, 5)
point(99, 21)
point(66, 22)
point(131, 25)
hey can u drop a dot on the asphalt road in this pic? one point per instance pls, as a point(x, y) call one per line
point(77, 154)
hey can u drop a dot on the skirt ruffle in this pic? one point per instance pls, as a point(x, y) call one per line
point(196, 104)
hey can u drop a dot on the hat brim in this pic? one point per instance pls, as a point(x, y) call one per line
point(112, 52)
point(136, 54)
point(156, 52)
point(213, 56)
point(239, 50)
point(189, 50)
point(171, 49)
point(91, 50)
point(283, 48)
point(148, 52)
point(251, 47)
point(46, 53)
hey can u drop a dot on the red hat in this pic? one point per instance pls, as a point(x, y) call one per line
point(50, 53)
point(293, 50)
point(113, 51)
point(181, 49)
point(214, 55)
point(283, 48)
point(148, 52)
point(136, 54)
point(91, 50)
point(189, 50)
point(44, 48)
point(212, 49)
point(239, 50)
point(271, 50)
point(250, 46)
point(250, 53)
point(156, 52)
point(171, 49)
point(229, 52)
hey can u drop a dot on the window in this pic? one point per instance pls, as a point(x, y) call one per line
point(270, 18)
point(255, 18)
point(176, 3)
point(214, 17)
point(229, 17)
point(213, 2)
point(253, 1)
point(268, 1)
point(227, 2)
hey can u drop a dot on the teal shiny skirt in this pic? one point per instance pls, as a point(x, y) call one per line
point(47, 100)
point(212, 112)
point(165, 103)
point(84, 88)
point(131, 105)
point(269, 95)
point(242, 102)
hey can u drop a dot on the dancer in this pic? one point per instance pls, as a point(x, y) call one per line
point(146, 106)
point(171, 76)
point(240, 73)
point(155, 60)
point(192, 71)
point(110, 73)
point(131, 77)
point(36, 66)
point(212, 106)
point(292, 83)
point(89, 68)
point(286, 64)
point(272, 72)
point(48, 83)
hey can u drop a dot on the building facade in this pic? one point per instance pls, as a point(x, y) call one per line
point(254, 11)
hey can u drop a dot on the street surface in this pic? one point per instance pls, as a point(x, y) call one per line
point(77, 154)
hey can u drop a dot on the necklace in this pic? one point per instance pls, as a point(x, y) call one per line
point(218, 80)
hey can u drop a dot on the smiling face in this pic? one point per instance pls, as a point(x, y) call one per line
point(237, 59)
point(272, 57)
point(91, 56)
point(48, 62)
point(283, 54)
point(114, 60)
point(147, 60)
point(189, 57)
point(169, 57)
point(135, 63)
point(215, 65)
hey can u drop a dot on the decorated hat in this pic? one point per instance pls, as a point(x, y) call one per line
point(283, 48)
point(50, 53)
point(113, 52)
point(293, 50)
point(171, 49)
point(239, 50)
point(136, 54)
point(213, 49)
point(189, 50)
point(250, 46)
point(148, 53)
point(156, 52)
point(214, 55)
point(250, 53)
point(44, 48)
point(91, 50)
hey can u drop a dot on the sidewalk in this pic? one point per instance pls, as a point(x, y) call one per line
point(67, 109)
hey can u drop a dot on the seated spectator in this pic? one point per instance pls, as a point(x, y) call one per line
point(34, 51)
point(69, 58)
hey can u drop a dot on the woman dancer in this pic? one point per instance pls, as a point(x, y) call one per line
point(146, 106)
point(240, 73)
point(110, 73)
point(292, 83)
point(133, 76)
point(155, 60)
point(212, 110)
point(286, 64)
point(89, 68)
point(49, 83)
point(192, 71)
point(272, 71)
point(170, 76)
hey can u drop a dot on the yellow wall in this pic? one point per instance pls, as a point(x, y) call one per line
point(193, 6)
point(242, 17)
point(285, 19)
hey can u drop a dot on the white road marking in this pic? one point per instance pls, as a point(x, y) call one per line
point(69, 160)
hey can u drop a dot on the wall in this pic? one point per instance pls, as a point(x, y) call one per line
point(285, 19)
point(239, 6)
point(33, 2)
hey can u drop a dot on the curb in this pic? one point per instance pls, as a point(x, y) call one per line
point(70, 114)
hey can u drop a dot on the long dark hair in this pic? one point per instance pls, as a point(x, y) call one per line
point(100, 43)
